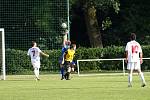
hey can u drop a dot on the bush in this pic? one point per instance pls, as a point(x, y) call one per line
point(100, 53)
point(17, 61)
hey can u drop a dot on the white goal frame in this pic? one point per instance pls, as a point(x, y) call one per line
point(3, 77)
point(116, 59)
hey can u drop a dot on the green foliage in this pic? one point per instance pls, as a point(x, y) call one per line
point(43, 15)
point(132, 17)
point(106, 23)
point(27, 20)
point(39, 20)
point(106, 4)
point(18, 62)
point(100, 53)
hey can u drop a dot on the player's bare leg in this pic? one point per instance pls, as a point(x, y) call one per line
point(130, 78)
point(142, 78)
point(36, 72)
point(62, 71)
point(69, 72)
point(67, 75)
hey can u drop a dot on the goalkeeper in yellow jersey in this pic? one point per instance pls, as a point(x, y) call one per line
point(69, 55)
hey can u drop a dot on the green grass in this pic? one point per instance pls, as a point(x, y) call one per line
point(50, 87)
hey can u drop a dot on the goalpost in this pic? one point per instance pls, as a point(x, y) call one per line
point(92, 60)
point(2, 54)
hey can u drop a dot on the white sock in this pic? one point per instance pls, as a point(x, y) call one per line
point(142, 78)
point(36, 72)
point(130, 78)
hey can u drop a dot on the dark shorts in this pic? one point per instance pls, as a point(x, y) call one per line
point(67, 64)
point(73, 63)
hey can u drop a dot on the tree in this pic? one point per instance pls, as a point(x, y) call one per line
point(133, 17)
point(93, 27)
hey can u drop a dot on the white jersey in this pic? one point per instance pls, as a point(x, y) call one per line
point(133, 48)
point(34, 53)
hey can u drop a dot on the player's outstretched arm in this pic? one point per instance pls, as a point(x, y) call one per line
point(44, 54)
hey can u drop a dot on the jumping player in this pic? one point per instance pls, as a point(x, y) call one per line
point(61, 59)
point(34, 52)
point(133, 51)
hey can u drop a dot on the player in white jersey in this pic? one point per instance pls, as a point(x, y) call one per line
point(34, 52)
point(134, 59)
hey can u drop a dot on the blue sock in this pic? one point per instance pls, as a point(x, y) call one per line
point(62, 71)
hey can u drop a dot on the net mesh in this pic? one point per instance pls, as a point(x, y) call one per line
point(32, 20)
point(0, 51)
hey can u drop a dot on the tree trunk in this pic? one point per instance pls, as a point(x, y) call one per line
point(93, 29)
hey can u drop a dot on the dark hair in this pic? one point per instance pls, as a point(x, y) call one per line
point(33, 43)
point(133, 36)
point(71, 46)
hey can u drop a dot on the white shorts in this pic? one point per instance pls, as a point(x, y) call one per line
point(35, 63)
point(133, 65)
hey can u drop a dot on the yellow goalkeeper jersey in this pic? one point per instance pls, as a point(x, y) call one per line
point(70, 55)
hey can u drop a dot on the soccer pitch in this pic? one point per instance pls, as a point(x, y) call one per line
point(50, 87)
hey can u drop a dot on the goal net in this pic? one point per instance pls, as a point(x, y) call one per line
point(2, 54)
point(25, 21)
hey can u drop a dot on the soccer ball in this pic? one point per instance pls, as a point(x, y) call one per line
point(64, 25)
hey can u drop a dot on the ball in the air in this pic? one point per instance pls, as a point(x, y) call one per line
point(64, 25)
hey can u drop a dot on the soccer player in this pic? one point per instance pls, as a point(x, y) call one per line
point(69, 55)
point(73, 64)
point(34, 52)
point(134, 59)
point(66, 45)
